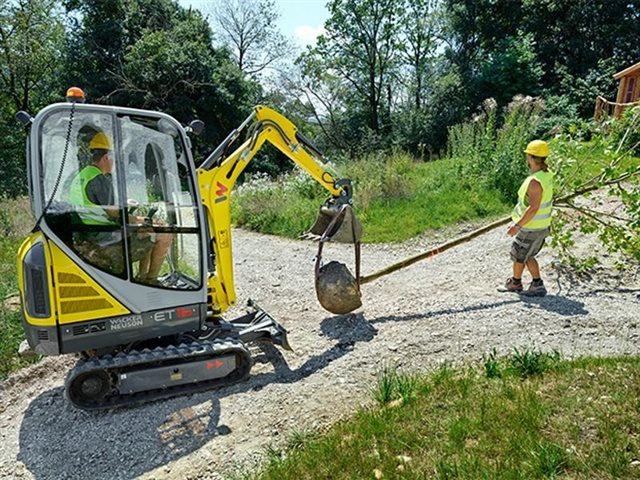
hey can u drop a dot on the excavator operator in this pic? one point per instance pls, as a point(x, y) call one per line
point(92, 191)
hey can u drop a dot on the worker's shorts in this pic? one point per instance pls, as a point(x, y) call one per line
point(527, 245)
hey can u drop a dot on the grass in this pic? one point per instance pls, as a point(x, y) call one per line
point(15, 223)
point(539, 417)
point(395, 199)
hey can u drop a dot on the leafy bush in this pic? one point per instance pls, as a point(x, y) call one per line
point(528, 363)
point(15, 222)
point(561, 116)
point(625, 132)
point(494, 155)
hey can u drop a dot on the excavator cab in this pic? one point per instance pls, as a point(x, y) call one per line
point(119, 225)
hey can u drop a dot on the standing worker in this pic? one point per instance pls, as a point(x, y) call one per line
point(532, 218)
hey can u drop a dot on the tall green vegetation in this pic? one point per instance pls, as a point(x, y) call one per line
point(15, 222)
point(397, 198)
point(492, 154)
point(415, 74)
point(31, 44)
point(150, 54)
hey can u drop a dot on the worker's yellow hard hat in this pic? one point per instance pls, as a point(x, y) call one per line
point(538, 148)
point(100, 141)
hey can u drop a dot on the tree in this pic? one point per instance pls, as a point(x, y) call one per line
point(360, 46)
point(31, 41)
point(157, 55)
point(249, 28)
point(420, 29)
point(511, 69)
point(96, 45)
point(31, 36)
point(179, 72)
point(572, 37)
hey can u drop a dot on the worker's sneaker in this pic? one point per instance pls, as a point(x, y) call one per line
point(536, 289)
point(513, 285)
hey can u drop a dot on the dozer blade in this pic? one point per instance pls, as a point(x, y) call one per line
point(336, 223)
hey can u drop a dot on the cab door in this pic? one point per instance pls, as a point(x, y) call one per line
point(147, 199)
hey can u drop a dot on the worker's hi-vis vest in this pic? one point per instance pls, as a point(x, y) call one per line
point(90, 213)
point(542, 219)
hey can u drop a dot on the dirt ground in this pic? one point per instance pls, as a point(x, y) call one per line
point(446, 309)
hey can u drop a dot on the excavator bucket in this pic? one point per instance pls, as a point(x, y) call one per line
point(338, 291)
point(336, 224)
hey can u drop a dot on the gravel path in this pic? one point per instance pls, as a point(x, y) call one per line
point(444, 309)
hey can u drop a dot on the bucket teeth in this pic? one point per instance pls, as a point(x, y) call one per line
point(310, 236)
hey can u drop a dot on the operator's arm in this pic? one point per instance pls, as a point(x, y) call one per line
point(534, 194)
point(100, 191)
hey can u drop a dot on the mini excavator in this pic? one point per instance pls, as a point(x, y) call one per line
point(130, 263)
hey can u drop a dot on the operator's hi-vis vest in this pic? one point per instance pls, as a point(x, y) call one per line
point(542, 219)
point(90, 213)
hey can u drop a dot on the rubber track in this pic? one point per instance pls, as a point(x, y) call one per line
point(199, 350)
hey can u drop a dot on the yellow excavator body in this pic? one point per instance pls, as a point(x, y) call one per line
point(130, 262)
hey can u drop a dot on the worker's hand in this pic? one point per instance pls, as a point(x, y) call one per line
point(513, 230)
point(132, 205)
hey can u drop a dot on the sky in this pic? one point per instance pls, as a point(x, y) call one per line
point(301, 20)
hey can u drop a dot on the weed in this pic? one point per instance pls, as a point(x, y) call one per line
point(492, 366)
point(447, 469)
point(15, 222)
point(444, 374)
point(528, 363)
point(274, 456)
point(550, 459)
point(386, 385)
point(407, 386)
point(298, 438)
point(459, 431)
point(392, 385)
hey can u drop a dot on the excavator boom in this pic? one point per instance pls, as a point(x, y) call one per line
point(220, 171)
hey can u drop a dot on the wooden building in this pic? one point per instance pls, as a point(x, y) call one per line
point(628, 93)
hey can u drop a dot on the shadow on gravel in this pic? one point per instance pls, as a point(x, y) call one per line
point(557, 304)
point(444, 311)
point(59, 441)
point(552, 303)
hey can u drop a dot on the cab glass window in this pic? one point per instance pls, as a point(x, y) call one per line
point(80, 186)
point(162, 221)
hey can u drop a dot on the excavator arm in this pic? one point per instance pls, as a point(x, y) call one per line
point(219, 173)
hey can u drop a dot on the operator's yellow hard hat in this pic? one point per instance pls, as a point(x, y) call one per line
point(100, 141)
point(538, 148)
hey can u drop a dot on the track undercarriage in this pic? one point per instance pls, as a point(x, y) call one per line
point(215, 357)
